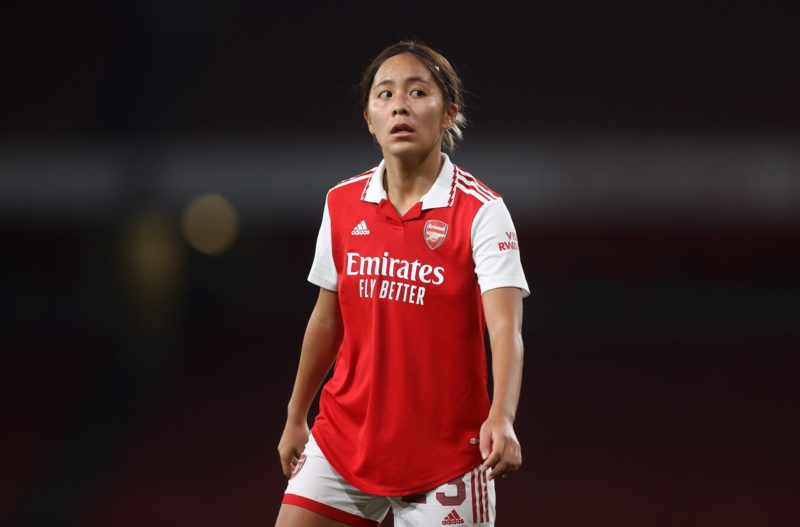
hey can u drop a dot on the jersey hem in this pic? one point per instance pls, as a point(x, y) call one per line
point(387, 491)
point(332, 513)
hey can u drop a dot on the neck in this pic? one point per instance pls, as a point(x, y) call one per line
point(407, 180)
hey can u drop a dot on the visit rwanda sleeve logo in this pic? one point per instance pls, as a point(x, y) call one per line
point(434, 233)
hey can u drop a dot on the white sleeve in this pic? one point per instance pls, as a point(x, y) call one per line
point(495, 249)
point(323, 270)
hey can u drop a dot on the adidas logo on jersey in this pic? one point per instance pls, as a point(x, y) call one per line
point(453, 519)
point(360, 229)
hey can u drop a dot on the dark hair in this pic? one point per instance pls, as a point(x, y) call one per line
point(446, 77)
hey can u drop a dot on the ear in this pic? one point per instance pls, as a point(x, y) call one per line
point(369, 123)
point(449, 117)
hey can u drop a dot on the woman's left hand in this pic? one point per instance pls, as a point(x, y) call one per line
point(499, 447)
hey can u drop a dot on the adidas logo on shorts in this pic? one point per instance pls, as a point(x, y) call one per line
point(360, 229)
point(453, 519)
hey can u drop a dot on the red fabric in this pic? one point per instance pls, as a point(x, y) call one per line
point(482, 487)
point(474, 511)
point(329, 512)
point(409, 388)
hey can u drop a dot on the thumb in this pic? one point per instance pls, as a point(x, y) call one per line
point(286, 465)
point(486, 441)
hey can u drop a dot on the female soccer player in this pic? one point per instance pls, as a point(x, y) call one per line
point(414, 259)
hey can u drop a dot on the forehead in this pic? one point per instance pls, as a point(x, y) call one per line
point(399, 67)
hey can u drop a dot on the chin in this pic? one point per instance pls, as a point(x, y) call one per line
point(407, 149)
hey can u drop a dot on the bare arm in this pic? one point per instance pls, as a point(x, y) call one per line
point(499, 445)
point(320, 344)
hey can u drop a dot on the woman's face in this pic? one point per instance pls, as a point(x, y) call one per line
point(407, 112)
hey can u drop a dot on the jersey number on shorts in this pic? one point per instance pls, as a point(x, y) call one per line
point(441, 497)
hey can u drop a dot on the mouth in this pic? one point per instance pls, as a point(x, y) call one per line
point(401, 129)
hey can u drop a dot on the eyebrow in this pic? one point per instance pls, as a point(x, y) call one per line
point(414, 78)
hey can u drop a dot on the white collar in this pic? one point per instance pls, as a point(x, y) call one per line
point(437, 196)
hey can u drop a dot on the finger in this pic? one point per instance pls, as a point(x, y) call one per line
point(499, 470)
point(486, 442)
point(498, 447)
point(491, 461)
point(286, 466)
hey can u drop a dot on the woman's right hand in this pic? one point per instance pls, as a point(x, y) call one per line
point(291, 446)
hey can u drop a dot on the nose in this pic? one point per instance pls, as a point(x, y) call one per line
point(400, 107)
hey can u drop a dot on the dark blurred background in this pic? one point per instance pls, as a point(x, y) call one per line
point(163, 167)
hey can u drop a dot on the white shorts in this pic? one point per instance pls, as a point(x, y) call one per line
point(315, 485)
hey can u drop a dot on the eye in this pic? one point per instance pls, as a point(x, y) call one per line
point(417, 93)
point(385, 94)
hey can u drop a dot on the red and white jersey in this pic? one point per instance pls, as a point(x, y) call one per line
point(403, 410)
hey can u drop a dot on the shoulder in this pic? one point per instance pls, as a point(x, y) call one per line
point(472, 191)
point(353, 185)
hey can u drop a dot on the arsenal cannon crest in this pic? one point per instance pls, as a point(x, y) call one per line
point(434, 233)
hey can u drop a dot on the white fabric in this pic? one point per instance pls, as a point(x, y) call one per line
point(437, 196)
point(317, 480)
point(495, 249)
point(323, 269)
